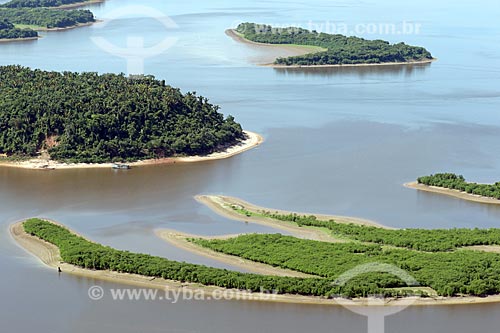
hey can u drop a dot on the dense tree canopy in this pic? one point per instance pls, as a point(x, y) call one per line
point(45, 17)
point(340, 49)
point(455, 182)
point(39, 3)
point(9, 31)
point(86, 117)
point(448, 273)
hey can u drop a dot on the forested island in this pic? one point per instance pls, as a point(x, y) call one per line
point(341, 50)
point(45, 18)
point(92, 118)
point(456, 185)
point(43, 14)
point(9, 32)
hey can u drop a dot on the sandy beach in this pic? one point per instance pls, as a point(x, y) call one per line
point(179, 240)
point(252, 140)
point(453, 193)
point(296, 50)
point(49, 255)
point(272, 51)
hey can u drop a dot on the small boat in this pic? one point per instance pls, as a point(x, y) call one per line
point(46, 167)
point(117, 166)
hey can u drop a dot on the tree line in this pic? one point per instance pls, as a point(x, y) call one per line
point(87, 117)
point(9, 31)
point(448, 273)
point(457, 182)
point(340, 49)
point(39, 3)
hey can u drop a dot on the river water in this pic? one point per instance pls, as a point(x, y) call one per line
point(338, 141)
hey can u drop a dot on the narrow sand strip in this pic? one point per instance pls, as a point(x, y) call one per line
point(179, 240)
point(14, 40)
point(453, 193)
point(484, 248)
point(270, 52)
point(222, 206)
point(252, 140)
point(50, 256)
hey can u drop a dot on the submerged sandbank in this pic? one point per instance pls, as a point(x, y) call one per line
point(273, 51)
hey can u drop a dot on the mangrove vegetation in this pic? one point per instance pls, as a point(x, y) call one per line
point(461, 272)
point(430, 240)
point(83, 253)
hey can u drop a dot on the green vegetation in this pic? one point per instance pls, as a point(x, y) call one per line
point(461, 272)
point(46, 18)
point(448, 273)
point(80, 252)
point(100, 118)
point(341, 49)
point(434, 240)
point(40, 3)
point(9, 31)
point(455, 182)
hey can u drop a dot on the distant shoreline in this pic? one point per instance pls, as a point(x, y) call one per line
point(252, 140)
point(49, 255)
point(238, 37)
point(453, 193)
